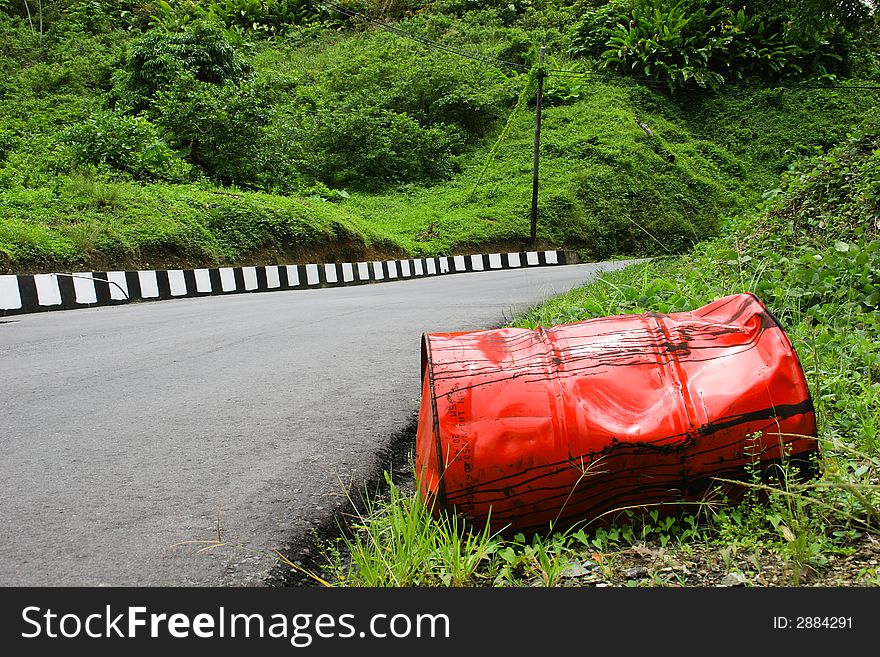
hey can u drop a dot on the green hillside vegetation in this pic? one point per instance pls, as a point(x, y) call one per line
point(129, 132)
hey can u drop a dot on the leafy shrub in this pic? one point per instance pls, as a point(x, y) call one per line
point(704, 43)
point(200, 91)
point(755, 49)
point(816, 19)
point(432, 87)
point(83, 16)
point(127, 143)
point(158, 60)
point(382, 8)
point(835, 193)
point(379, 111)
point(592, 30)
point(508, 10)
point(673, 42)
point(268, 17)
point(218, 127)
point(25, 242)
point(365, 145)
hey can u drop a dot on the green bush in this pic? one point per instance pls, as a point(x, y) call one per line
point(127, 143)
point(705, 43)
point(376, 110)
point(218, 127)
point(365, 145)
point(430, 86)
point(595, 26)
point(158, 60)
point(270, 17)
point(670, 41)
point(510, 11)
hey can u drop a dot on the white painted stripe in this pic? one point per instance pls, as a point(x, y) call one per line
point(419, 267)
point(532, 258)
point(495, 261)
point(10, 297)
point(84, 287)
point(459, 263)
point(292, 275)
point(273, 278)
point(227, 279)
point(405, 269)
point(330, 272)
point(392, 269)
point(203, 280)
point(48, 292)
point(477, 262)
point(444, 265)
point(363, 271)
point(347, 272)
point(377, 271)
point(177, 282)
point(250, 277)
point(149, 284)
point(117, 277)
point(513, 260)
point(432, 267)
point(552, 257)
point(312, 274)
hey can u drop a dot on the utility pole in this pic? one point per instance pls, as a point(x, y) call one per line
point(534, 230)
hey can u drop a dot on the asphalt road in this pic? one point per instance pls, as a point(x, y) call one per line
point(128, 433)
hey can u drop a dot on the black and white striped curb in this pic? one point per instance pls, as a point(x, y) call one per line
point(65, 291)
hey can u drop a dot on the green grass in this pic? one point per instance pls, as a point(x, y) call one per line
point(397, 542)
point(89, 222)
point(604, 186)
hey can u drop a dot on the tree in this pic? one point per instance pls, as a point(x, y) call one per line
point(159, 59)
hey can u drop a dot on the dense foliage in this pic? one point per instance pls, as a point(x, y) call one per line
point(416, 117)
point(707, 43)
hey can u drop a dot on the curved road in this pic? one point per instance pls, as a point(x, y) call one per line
point(127, 432)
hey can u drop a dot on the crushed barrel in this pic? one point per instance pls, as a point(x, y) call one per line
point(528, 428)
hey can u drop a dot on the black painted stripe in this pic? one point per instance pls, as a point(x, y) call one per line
point(189, 281)
point(132, 284)
point(27, 290)
point(163, 284)
point(238, 277)
point(216, 283)
point(102, 288)
point(68, 294)
point(262, 279)
point(283, 282)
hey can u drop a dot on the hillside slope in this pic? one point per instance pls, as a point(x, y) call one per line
point(140, 135)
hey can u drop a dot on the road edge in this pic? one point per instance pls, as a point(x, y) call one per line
point(30, 293)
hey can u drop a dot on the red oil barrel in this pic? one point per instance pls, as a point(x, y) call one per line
point(564, 424)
